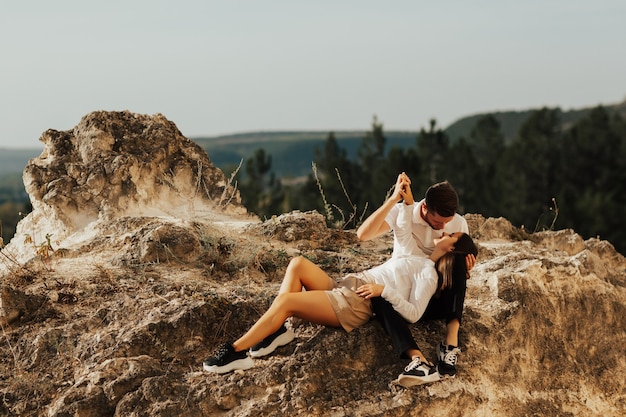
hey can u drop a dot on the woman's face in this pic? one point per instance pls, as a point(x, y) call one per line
point(447, 241)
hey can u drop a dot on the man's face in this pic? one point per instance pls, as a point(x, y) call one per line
point(434, 220)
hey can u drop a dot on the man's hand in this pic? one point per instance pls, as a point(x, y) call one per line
point(402, 190)
point(408, 194)
point(370, 290)
point(470, 262)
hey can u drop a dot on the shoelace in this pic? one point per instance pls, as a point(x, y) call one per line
point(415, 363)
point(221, 351)
point(451, 356)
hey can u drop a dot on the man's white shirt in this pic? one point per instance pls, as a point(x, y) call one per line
point(412, 235)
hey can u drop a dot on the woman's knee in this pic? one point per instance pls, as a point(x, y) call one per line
point(281, 306)
point(282, 302)
point(299, 265)
point(296, 262)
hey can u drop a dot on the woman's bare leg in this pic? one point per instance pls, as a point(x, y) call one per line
point(313, 306)
point(302, 273)
point(416, 353)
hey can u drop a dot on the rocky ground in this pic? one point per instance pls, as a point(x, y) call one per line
point(138, 260)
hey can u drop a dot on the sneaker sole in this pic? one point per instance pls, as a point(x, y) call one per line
point(281, 340)
point(239, 364)
point(411, 381)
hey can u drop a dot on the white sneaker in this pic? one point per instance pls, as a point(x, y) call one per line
point(279, 338)
point(418, 373)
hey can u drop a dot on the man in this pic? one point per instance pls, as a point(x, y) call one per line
point(431, 218)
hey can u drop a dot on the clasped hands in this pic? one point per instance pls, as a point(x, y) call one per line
point(402, 190)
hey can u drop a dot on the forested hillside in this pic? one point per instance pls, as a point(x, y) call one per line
point(292, 152)
point(552, 174)
point(541, 169)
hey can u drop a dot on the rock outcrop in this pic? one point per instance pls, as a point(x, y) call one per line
point(150, 261)
point(115, 164)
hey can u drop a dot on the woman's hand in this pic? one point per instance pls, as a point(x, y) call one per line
point(402, 190)
point(408, 194)
point(370, 290)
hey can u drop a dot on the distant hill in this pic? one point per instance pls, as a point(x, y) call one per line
point(293, 152)
point(14, 160)
point(511, 121)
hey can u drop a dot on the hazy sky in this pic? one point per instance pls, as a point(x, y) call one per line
point(220, 67)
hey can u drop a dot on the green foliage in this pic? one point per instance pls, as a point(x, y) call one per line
point(12, 188)
point(547, 176)
point(9, 217)
point(485, 149)
point(13, 204)
point(592, 174)
point(262, 192)
point(528, 169)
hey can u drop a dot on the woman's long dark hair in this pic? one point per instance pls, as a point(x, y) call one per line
point(451, 266)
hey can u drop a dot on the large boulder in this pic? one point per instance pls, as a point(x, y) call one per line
point(119, 164)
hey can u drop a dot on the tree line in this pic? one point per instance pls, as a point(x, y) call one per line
point(13, 204)
point(553, 174)
point(549, 176)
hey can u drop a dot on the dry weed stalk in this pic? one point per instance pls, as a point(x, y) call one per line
point(556, 215)
point(13, 264)
point(198, 179)
point(352, 205)
point(165, 179)
point(16, 363)
point(221, 328)
point(43, 250)
point(327, 208)
point(228, 184)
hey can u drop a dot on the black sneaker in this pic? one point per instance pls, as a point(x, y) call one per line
point(280, 337)
point(225, 359)
point(447, 360)
point(418, 373)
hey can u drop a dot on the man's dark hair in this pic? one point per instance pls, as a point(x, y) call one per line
point(442, 199)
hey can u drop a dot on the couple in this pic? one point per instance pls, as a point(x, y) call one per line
point(424, 278)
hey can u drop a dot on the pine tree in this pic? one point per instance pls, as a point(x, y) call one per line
point(262, 192)
point(487, 146)
point(527, 174)
point(591, 172)
point(432, 150)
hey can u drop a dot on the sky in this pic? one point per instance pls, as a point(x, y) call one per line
point(222, 67)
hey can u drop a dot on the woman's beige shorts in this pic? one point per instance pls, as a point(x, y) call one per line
point(352, 310)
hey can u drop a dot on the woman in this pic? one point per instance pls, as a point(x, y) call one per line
point(408, 283)
point(446, 304)
point(432, 216)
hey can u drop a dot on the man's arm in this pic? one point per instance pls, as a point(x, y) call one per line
point(375, 224)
